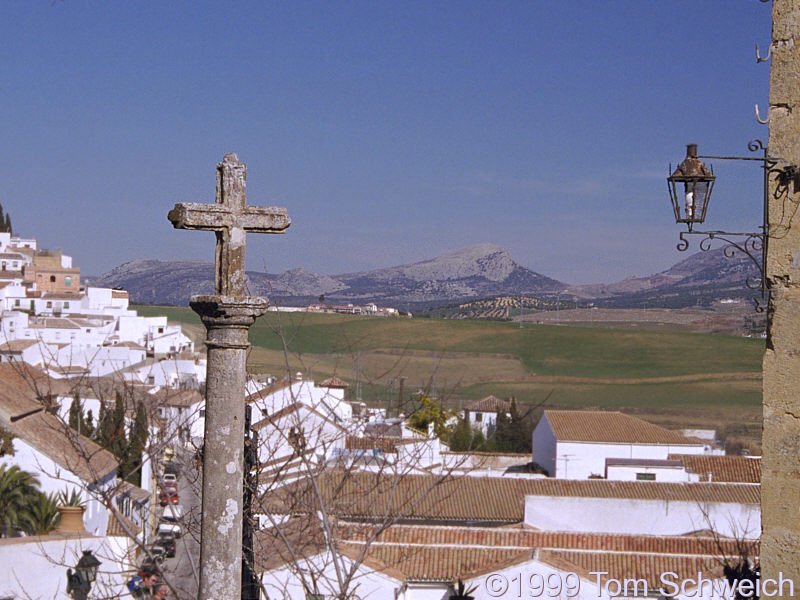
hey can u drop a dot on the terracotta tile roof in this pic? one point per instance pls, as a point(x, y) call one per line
point(73, 452)
point(640, 566)
point(442, 535)
point(419, 553)
point(119, 294)
point(410, 497)
point(730, 468)
point(57, 324)
point(10, 274)
point(115, 525)
point(642, 462)
point(133, 491)
point(24, 388)
point(17, 345)
point(436, 563)
point(381, 443)
point(489, 404)
point(180, 398)
point(334, 382)
point(647, 490)
point(296, 541)
point(610, 427)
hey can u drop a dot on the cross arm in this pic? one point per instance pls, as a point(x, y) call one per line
point(217, 217)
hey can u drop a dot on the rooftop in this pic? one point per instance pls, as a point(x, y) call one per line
point(646, 490)
point(489, 404)
point(725, 468)
point(424, 553)
point(610, 427)
point(408, 497)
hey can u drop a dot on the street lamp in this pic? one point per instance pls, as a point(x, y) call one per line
point(79, 582)
point(690, 186)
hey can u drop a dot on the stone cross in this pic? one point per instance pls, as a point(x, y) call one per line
point(230, 218)
point(227, 315)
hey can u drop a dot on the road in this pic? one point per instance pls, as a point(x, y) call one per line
point(182, 571)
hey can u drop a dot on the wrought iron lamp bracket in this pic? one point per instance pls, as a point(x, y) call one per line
point(754, 244)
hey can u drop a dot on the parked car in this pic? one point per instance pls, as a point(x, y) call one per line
point(167, 529)
point(167, 543)
point(172, 512)
point(172, 468)
point(169, 478)
point(169, 496)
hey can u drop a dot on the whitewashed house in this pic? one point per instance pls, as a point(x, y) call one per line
point(482, 414)
point(62, 460)
point(573, 444)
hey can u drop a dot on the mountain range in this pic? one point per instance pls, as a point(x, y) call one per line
point(478, 271)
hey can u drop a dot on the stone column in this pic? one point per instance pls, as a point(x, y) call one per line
point(227, 321)
point(780, 547)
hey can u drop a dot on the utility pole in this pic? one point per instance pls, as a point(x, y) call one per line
point(250, 580)
point(780, 484)
point(227, 316)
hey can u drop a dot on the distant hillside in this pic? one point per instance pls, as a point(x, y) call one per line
point(477, 273)
point(698, 280)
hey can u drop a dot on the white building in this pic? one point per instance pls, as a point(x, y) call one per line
point(644, 508)
point(425, 562)
point(62, 459)
point(572, 444)
point(482, 414)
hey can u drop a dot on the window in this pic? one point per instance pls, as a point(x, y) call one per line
point(68, 281)
point(202, 412)
point(16, 302)
point(478, 417)
point(645, 477)
point(49, 304)
point(310, 596)
point(160, 330)
point(52, 278)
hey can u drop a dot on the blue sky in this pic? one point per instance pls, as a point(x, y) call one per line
point(392, 131)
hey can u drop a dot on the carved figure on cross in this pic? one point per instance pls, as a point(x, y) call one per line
point(230, 219)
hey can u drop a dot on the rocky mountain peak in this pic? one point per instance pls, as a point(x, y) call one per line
point(480, 260)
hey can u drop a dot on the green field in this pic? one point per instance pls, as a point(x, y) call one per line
point(671, 377)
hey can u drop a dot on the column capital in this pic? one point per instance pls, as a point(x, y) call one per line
point(226, 311)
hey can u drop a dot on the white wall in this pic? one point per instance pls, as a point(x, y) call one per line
point(485, 421)
point(506, 583)
point(284, 583)
point(579, 460)
point(643, 517)
point(664, 474)
point(36, 567)
point(53, 478)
